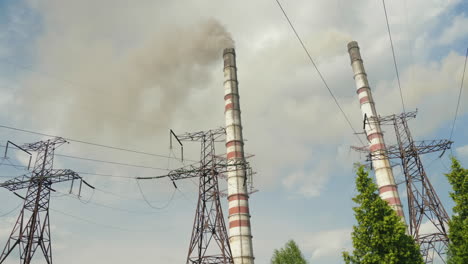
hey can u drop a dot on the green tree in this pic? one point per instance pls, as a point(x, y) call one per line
point(458, 225)
point(290, 254)
point(379, 236)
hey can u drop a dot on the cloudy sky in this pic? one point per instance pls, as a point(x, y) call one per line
point(122, 74)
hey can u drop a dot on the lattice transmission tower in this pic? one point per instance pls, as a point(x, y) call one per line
point(32, 228)
point(209, 243)
point(423, 202)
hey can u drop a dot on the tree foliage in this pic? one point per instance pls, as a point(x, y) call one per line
point(379, 236)
point(458, 225)
point(290, 254)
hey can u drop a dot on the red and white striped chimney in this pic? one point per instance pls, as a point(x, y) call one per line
point(240, 236)
point(383, 171)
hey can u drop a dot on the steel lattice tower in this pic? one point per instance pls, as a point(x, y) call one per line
point(209, 243)
point(423, 202)
point(32, 229)
point(209, 221)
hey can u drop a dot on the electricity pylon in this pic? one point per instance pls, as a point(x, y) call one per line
point(209, 243)
point(32, 228)
point(423, 202)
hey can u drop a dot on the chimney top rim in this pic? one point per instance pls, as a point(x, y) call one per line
point(353, 44)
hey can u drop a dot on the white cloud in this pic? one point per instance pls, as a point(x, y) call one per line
point(427, 228)
point(288, 115)
point(463, 151)
point(456, 31)
point(308, 182)
point(430, 88)
point(328, 243)
point(285, 93)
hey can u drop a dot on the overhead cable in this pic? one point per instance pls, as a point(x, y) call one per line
point(109, 162)
point(394, 57)
point(96, 223)
point(79, 172)
point(91, 201)
point(106, 175)
point(459, 95)
point(103, 161)
point(89, 143)
point(318, 71)
point(152, 206)
point(11, 211)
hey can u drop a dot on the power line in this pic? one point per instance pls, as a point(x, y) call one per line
point(443, 164)
point(317, 69)
point(122, 209)
point(118, 195)
point(459, 96)
point(9, 176)
point(89, 143)
point(96, 223)
point(11, 211)
point(79, 172)
point(15, 166)
point(105, 175)
point(152, 206)
point(127, 197)
point(394, 57)
point(90, 201)
point(131, 198)
point(101, 190)
point(110, 162)
point(2, 163)
point(102, 161)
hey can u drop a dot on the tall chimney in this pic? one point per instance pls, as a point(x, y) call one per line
point(240, 236)
point(383, 171)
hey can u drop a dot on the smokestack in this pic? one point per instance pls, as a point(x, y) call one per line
point(240, 236)
point(383, 171)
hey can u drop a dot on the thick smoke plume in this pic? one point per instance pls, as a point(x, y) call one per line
point(131, 94)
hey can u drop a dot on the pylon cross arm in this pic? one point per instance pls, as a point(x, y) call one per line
point(393, 151)
point(183, 173)
point(433, 145)
point(389, 120)
point(54, 176)
point(192, 171)
point(197, 136)
point(40, 145)
point(17, 183)
point(61, 175)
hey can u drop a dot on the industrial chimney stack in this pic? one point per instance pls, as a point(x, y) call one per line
point(240, 236)
point(383, 171)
